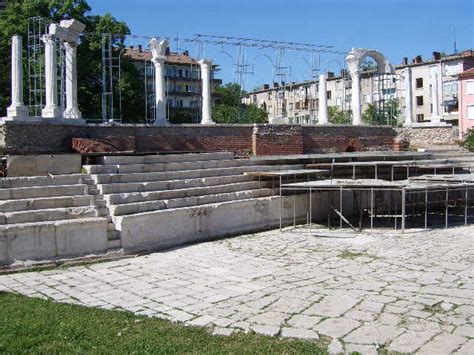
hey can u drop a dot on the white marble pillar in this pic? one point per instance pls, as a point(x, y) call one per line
point(323, 100)
point(158, 51)
point(355, 99)
point(51, 110)
point(408, 97)
point(72, 108)
point(435, 116)
point(160, 91)
point(206, 66)
point(17, 108)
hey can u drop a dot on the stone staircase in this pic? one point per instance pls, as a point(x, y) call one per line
point(137, 185)
point(45, 217)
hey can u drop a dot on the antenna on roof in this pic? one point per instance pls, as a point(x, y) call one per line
point(454, 37)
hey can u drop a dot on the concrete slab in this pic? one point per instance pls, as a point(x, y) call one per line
point(34, 165)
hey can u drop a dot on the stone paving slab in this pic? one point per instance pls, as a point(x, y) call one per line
point(382, 290)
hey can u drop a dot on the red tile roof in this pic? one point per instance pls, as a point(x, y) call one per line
point(172, 58)
point(468, 72)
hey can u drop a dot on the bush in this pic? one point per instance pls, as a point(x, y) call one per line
point(468, 141)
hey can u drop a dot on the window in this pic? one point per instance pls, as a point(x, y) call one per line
point(450, 87)
point(419, 83)
point(470, 112)
point(470, 87)
point(179, 103)
point(420, 117)
point(338, 101)
point(367, 98)
point(328, 95)
point(419, 101)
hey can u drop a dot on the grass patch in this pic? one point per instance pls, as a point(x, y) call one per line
point(39, 326)
point(436, 308)
point(347, 254)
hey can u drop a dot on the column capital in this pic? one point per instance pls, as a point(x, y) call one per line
point(158, 60)
point(70, 45)
point(48, 39)
point(205, 63)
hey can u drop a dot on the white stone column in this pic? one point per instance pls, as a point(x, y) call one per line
point(17, 108)
point(51, 110)
point(72, 108)
point(158, 51)
point(355, 99)
point(323, 101)
point(435, 117)
point(160, 91)
point(408, 98)
point(206, 66)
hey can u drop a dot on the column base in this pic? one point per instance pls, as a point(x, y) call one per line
point(17, 111)
point(72, 113)
point(208, 122)
point(161, 122)
point(52, 112)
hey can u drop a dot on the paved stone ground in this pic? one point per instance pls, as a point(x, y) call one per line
point(404, 293)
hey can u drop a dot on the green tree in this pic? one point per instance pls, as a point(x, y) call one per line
point(337, 116)
point(14, 20)
point(229, 108)
point(468, 141)
point(385, 115)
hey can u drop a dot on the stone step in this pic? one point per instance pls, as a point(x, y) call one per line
point(117, 188)
point(165, 167)
point(186, 174)
point(45, 203)
point(35, 181)
point(51, 214)
point(163, 158)
point(43, 191)
point(117, 199)
point(52, 239)
point(139, 207)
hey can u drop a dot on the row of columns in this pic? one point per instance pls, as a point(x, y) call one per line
point(158, 49)
point(68, 32)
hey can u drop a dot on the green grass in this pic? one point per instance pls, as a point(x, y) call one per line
point(38, 326)
point(347, 254)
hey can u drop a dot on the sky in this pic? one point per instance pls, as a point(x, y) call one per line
point(397, 28)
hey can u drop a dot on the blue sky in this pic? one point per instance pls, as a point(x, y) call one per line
point(397, 28)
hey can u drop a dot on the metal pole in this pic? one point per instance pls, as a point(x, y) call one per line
point(465, 206)
point(446, 212)
point(376, 171)
point(294, 205)
point(340, 207)
point(426, 209)
point(403, 210)
point(281, 204)
point(391, 173)
point(310, 207)
point(353, 172)
point(371, 208)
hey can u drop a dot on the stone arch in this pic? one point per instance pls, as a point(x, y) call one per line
point(354, 60)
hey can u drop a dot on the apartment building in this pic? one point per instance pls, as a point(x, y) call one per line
point(466, 101)
point(3, 4)
point(298, 102)
point(434, 84)
point(183, 83)
point(430, 85)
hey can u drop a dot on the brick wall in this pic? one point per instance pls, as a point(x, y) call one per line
point(277, 140)
point(21, 138)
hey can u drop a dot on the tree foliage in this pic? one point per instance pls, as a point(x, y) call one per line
point(468, 141)
point(337, 116)
point(386, 115)
point(14, 20)
point(228, 107)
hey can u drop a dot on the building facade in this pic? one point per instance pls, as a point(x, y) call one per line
point(183, 84)
point(3, 5)
point(466, 101)
point(426, 91)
